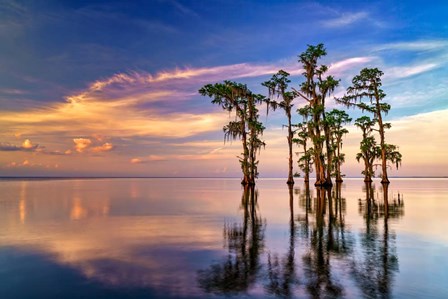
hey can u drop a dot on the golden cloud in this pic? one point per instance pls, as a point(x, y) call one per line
point(27, 146)
point(106, 147)
point(81, 144)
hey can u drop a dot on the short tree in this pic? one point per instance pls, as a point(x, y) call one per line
point(368, 146)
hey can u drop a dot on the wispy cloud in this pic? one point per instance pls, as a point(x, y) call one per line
point(339, 67)
point(121, 105)
point(139, 104)
point(12, 91)
point(419, 45)
point(106, 147)
point(407, 71)
point(194, 75)
point(183, 9)
point(413, 95)
point(27, 164)
point(191, 151)
point(345, 19)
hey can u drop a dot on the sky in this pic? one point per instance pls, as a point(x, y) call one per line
point(110, 88)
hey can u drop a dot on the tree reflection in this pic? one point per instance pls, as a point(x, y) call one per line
point(244, 242)
point(327, 241)
point(323, 232)
point(282, 273)
point(320, 251)
point(375, 269)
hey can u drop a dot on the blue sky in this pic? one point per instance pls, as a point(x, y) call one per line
point(148, 58)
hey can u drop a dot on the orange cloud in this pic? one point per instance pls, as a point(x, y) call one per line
point(136, 161)
point(81, 144)
point(105, 110)
point(103, 148)
point(27, 146)
point(27, 163)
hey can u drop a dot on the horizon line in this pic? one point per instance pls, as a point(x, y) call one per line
point(190, 177)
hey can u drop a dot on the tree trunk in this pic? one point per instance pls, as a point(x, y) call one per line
point(290, 162)
point(320, 179)
point(367, 169)
point(384, 178)
point(245, 162)
point(319, 159)
point(338, 164)
point(328, 182)
point(252, 138)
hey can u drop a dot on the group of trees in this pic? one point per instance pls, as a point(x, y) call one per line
point(320, 133)
point(367, 85)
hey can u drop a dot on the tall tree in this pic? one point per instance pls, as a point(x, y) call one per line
point(367, 85)
point(315, 90)
point(255, 128)
point(368, 146)
point(232, 96)
point(278, 88)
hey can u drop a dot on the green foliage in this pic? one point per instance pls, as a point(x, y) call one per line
point(334, 120)
point(368, 146)
point(278, 90)
point(232, 96)
point(320, 134)
point(315, 89)
point(306, 155)
point(367, 85)
point(393, 155)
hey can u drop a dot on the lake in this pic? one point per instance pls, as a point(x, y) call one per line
point(202, 238)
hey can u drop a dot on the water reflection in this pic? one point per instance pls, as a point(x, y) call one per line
point(327, 241)
point(211, 239)
point(282, 276)
point(22, 203)
point(321, 251)
point(244, 242)
point(377, 263)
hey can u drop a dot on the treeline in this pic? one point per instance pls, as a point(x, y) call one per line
point(320, 133)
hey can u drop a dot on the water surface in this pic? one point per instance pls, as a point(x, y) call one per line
point(201, 238)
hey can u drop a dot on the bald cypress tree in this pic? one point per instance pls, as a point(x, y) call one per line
point(368, 146)
point(366, 94)
point(236, 97)
point(282, 98)
point(335, 120)
point(315, 90)
point(306, 154)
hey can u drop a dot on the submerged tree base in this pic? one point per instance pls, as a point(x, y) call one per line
point(245, 183)
point(324, 184)
point(290, 182)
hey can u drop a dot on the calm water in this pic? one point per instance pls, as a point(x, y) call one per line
point(190, 238)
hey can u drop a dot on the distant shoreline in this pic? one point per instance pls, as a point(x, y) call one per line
point(131, 177)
